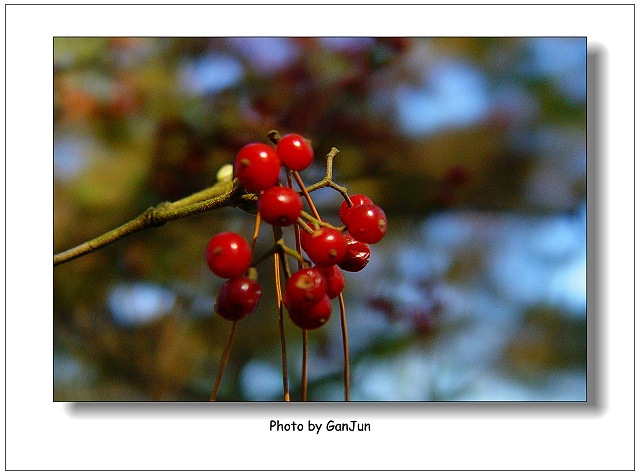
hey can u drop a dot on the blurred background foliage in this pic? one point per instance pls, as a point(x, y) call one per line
point(475, 148)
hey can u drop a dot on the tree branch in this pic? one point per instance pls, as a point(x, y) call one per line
point(219, 195)
point(223, 193)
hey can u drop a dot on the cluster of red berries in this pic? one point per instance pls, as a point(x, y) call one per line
point(309, 291)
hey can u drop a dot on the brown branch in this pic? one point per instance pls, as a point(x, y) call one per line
point(327, 181)
point(222, 194)
point(217, 196)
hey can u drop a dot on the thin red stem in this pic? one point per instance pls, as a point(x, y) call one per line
point(345, 345)
point(305, 353)
point(285, 378)
point(256, 231)
point(296, 227)
point(307, 196)
point(305, 349)
point(223, 361)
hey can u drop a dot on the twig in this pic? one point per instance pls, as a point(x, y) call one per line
point(328, 182)
point(222, 194)
point(256, 231)
point(295, 254)
point(219, 196)
point(321, 223)
point(305, 226)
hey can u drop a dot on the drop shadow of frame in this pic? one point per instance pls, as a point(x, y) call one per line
point(595, 403)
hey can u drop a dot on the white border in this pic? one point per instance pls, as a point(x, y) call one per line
point(44, 435)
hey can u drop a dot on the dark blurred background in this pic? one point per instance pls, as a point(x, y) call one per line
point(474, 147)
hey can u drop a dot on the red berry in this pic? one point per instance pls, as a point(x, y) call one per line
point(238, 297)
point(325, 246)
point(311, 317)
point(228, 255)
point(358, 254)
point(305, 288)
point(335, 280)
point(280, 206)
point(367, 223)
point(304, 237)
point(295, 152)
point(257, 167)
point(357, 200)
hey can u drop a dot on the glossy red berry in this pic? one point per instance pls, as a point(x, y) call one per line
point(238, 297)
point(367, 223)
point(334, 278)
point(228, 255)
point(311, 317)
point(305, 288)
point(280, 206)
point(295, 152)
point(304, 238)
point(357, 257)
point(325, 246)
point(257, 167)
point(357, 200)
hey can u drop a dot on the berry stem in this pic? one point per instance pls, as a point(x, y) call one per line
point(305, 226)
point(328, 183)
point(285, 263)
point(280, 247)
point(329, 175)
point(294, 253)
point(321, 223)
point(296, 227)
point(285, 378)
point(296, 230)
point(306, 194)
point(328, 178)
point(274, 136)
point(305, 353)
point(223, 361)
point(345, 345)
point(256, 231)
point(305, 350)
point(274, 249)
point(341, 190)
